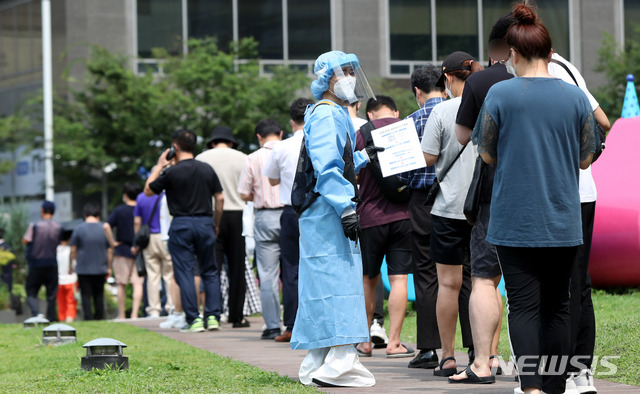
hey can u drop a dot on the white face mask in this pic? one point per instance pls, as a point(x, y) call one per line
point(344, 89)
point(509, 65)
point(448, 90)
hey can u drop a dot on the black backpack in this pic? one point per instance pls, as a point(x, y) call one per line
point(393, 188)
point(304, 182)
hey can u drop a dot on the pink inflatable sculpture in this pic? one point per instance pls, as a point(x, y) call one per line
point(615, 251)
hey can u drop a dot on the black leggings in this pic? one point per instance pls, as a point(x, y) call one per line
point(92, 287)
point(537, 285)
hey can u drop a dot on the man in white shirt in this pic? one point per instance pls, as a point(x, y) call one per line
point(253, 186)
point(583, 323)
point(281, 170)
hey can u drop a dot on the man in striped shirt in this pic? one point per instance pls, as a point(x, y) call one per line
point(423, 85)
point(254, 186)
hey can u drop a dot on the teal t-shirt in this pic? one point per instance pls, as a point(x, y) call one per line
point(538, 129)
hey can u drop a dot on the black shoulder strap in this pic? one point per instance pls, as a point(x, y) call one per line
point(452, 163)
point(155, 206)
point(365, 131)
point(566, 68)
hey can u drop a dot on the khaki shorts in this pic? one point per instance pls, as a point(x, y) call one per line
point(124, 269)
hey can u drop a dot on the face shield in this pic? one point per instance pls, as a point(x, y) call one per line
point(350, 82)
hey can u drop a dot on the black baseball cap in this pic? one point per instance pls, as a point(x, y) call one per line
point(453, 62)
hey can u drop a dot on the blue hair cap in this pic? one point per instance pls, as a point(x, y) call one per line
point(324, 66)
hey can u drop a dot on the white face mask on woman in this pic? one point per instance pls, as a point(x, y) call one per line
point(509, 65)
point(448, 90)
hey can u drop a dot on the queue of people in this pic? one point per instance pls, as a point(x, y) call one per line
point(325, 220)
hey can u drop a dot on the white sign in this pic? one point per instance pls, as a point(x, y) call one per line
point(402, 150)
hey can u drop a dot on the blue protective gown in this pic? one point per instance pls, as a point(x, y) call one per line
point(331, 309)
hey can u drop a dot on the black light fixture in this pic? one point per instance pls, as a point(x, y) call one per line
point(58, 334)
point(35, 321)
point(103, 353)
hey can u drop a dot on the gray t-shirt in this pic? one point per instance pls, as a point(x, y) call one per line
point(440, 139)
point(92, 247)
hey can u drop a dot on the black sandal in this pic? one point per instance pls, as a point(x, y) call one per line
point(473, 378)
point(445, 371)
point(498, 368)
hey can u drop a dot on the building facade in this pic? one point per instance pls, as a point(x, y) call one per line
point(391, 37)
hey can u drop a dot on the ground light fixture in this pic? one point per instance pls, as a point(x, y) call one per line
point(35, 321)
point(58, 334)
point(103, 353)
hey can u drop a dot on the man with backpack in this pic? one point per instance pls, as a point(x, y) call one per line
point(386, 230)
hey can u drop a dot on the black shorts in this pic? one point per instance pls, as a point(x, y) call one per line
point(391, 239)
point(484, 258)
point(450, 239)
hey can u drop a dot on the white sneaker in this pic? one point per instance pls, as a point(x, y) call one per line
point(378, 335)
point(518, 390)
point(224, 318)
point(571, 385)
point(175, 320)
point(584, 382)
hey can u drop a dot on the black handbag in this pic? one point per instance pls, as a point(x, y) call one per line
point(140, 265)
point(435, 187)
point(472, 202)
point(143, 235)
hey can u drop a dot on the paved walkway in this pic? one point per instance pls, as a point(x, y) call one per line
point(392, 375)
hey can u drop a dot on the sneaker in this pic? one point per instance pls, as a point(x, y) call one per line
point(174, 320)
point(584, 382)
point(212, 323)
point(224, 318)
point(154, 315)
point(571, 384)
point(196, 326)
point(378, 335)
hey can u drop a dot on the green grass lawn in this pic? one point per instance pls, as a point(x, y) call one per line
point(617, 333)
point(156, 364)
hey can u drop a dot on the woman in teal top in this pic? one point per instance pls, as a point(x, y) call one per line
point(539, 131)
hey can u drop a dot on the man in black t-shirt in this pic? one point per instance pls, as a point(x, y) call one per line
point(485, 303)
point(189, 185)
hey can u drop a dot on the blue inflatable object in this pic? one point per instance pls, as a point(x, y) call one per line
point(411, 290)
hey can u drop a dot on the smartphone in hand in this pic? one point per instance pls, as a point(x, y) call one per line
point(172, 153)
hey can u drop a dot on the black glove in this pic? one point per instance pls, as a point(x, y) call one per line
point(351, 226)
point(372, 150)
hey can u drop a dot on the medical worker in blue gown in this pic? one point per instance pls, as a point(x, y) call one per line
point(331, 313)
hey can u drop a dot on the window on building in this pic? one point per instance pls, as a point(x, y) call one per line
point(631, 20)
point(211, 18)
point(262, 20)
point(159, 26)
point(309, 28)
point(20, 44)
point(555, 16)
point(410, 30)
point(456, 27)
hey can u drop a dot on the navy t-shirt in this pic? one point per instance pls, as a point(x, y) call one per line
point(538, 129)
point(121, 219)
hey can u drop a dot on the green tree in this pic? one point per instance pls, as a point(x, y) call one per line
point(232, 92)
point(15, 131)
point(616, 63)
point(116, 120)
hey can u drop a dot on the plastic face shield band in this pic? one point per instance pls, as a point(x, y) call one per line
point(345, 89)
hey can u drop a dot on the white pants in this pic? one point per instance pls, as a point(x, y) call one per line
point(338, 366)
